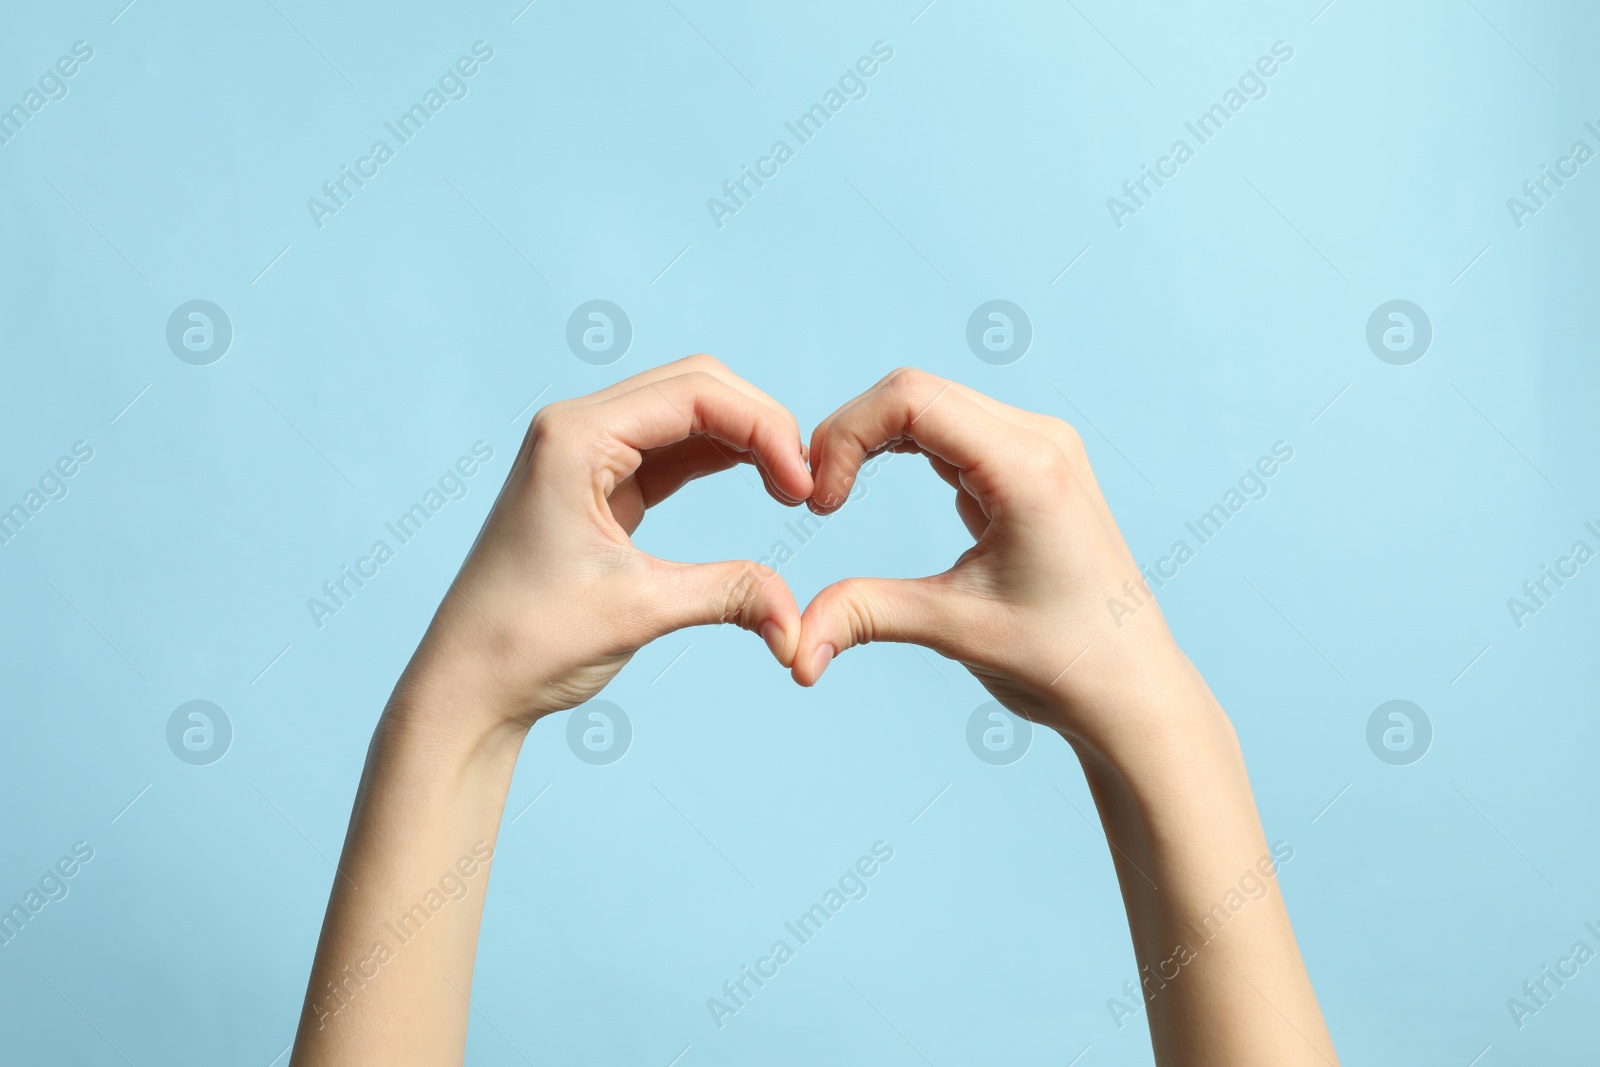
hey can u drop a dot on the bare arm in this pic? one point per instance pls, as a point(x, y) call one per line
point(552, 601)
point(1025, 609)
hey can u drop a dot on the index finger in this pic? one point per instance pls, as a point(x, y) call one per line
point(700, 361)
point(663, 412)
point(913, 406)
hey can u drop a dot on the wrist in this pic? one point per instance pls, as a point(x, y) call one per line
point(1165, 766)
point(474, 675)
point(446, 716)
point(1154, 740)
point(1132, 706)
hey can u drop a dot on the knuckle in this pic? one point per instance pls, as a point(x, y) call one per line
point(1065, 432)
point(740, 594)
point(908, 379)
point(549, 422)
point(703, 361)
point(539, 427)
point(862, 631)
point(915, 389)
point(1044, 463)
point(765, 426)
point(559, 431)
point(700, 378)
point(704, 386)
point(852, 609)
point(1071, 443)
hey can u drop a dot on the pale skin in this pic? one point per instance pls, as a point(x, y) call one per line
point(554, 599)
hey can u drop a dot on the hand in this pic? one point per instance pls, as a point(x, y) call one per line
point(1026, 607)
point(554, 598)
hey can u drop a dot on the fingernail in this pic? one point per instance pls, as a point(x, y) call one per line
point(772, 634)
point(820, 659)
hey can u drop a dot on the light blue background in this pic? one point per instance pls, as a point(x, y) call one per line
point(1223, 317)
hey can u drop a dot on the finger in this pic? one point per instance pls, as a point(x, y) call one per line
point(913, 406)
point(742, 592)
point(675, 409)
point(967, 506)
point(663, 471)
point(1059, 432)
point(697, 362)
point(1062, 433)
point(852, 612)
point(971, 513)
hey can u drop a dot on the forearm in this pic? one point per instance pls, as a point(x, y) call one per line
point(1219, 969)
point(551, 602)
point(393, 967)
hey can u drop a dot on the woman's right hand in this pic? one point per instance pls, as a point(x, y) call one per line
point(554, 597)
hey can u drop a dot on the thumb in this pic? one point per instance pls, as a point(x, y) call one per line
point(855, 611)
point(742, 592)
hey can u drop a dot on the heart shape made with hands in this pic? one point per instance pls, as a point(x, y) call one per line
point(755, 574)
point(637, 442)
point(996, 458)
point(1018, 608)
point(843, 449)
